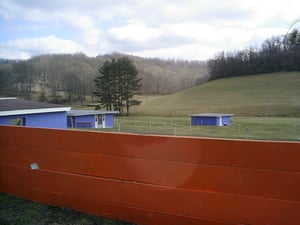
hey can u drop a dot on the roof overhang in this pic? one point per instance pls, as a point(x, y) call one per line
point(34, 111)
point(211, 115)
point(89, 112)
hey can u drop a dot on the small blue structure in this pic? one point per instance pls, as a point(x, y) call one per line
point(211, 119)
point(91, 119)
point(14, 111)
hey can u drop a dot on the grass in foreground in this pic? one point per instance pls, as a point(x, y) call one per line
point(17, 211)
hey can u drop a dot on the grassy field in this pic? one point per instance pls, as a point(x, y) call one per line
point(256, 128)
point(276, 94)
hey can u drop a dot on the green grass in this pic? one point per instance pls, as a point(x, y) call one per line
point(256, 128)
point(276, 94)
point(18, 211)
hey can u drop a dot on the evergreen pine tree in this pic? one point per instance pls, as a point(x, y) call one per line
point(116, 84)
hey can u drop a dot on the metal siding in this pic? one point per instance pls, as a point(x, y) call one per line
point(194, 120)
point(205, 121)
point(226, 120)
point(47, 120)
point(44, 120)
point(5, 120)
point(78, 120)
point(109, 120)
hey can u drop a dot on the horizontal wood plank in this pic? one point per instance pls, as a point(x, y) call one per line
point(233, 180)
point(190, 203)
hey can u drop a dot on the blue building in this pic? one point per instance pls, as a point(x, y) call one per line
point(91, 119)
point(14, 111)
point(211, 119)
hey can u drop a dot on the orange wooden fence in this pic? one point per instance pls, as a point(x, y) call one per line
point(154, 180)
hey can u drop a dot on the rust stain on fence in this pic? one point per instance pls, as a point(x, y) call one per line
point(154, 180)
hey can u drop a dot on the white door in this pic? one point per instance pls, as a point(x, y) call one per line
point(99, 121)
point(103, 121)
point(96, 121)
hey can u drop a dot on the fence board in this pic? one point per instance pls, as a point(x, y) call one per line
point(218, 206)
point(239, 153)
point(154, 180)
point(235, 180)
point(130, 214)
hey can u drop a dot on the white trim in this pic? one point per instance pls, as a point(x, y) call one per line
point(220, 121)
point(33, 111)
point(8, 98)
point(212, 114)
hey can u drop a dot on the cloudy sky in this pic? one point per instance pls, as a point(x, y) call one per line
point(168, 29)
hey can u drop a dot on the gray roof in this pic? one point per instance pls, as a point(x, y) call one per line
point(8, 104)
point(89, 112)
point(14, 106)
point(212, 114)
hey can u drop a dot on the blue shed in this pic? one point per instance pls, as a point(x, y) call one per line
point(211, 119)
point(14, 111)
point(91, 119)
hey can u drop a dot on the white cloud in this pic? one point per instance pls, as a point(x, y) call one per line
point(156, 28)
point(85, 24)
point(24, 48)
point(133, 31)
point(186, 52)
point(189, 40)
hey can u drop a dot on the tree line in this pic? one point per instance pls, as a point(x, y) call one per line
point(51, 78)
point(69, 78)
point(279, 53)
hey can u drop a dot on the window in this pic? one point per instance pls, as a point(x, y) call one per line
point(17, 121)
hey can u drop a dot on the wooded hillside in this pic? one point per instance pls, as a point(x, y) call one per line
point(70, 77)
point(277, 54)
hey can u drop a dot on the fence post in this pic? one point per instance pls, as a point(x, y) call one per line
point(174, 128)
point(119, 126)
point(247, 132)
